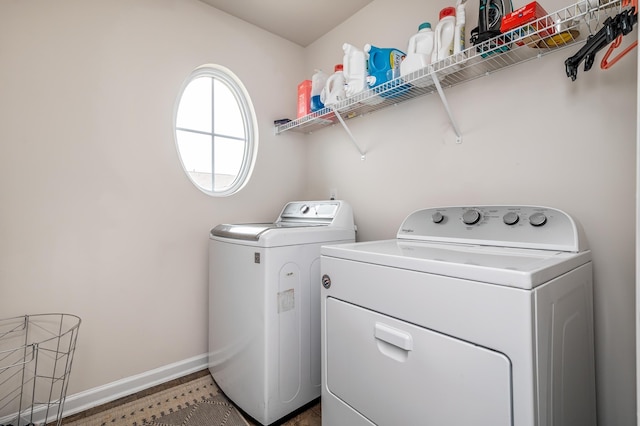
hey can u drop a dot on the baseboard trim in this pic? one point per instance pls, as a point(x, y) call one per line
point(91, 398)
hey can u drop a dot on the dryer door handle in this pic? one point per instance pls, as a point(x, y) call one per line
point(393, 336)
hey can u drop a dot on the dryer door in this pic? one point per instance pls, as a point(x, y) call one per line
point(396, 373)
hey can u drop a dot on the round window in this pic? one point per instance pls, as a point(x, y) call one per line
point(215, 130)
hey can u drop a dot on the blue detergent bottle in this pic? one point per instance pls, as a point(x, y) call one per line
point(384, 66)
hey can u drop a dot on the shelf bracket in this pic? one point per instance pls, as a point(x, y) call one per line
point(443, 98)
point(346, 128)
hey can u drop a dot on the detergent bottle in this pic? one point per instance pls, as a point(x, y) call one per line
point(333, 91)
point(444, 34)
point(459, 31)
point(419, 51)
point(318, 82)
point(384, 64)
point(354, 70)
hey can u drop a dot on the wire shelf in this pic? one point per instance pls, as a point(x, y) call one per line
point(566, 27)
point(36, 352)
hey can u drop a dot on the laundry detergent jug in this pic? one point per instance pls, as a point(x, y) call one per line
point(384, 66)
point(444, 34)
point(333, 91)
point(354, 70)
point(419, 54)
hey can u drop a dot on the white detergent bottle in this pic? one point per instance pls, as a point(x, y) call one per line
point(318, 82)
point(419, 53)
point(444, 34)
point(459, 32)
point(333, 91)
point(354, 70)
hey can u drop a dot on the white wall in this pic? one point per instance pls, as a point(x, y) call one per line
point(97, 217)
point(530, 136)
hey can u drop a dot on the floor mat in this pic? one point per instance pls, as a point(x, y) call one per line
point(216, 411)
point(193, 400)
point(143, 411)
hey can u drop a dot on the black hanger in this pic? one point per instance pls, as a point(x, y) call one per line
point(621, 24)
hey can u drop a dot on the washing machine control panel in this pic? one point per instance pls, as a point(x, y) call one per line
point(310, 210)
point(504, 226)
point(333, 213)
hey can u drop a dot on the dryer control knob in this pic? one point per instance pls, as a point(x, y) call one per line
point(304, 209)
point(437, 217)
point(537, 219)
point(326, 281)
point(471, 217)
point(511, 218)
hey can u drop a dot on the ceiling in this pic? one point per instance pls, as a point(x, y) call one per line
point(300, 21)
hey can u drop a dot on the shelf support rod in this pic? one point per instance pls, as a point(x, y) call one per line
point(346, 128)
point(443, 98)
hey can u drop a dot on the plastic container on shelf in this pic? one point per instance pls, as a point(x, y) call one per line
point(459, 31)
point(318, 82)
point(333, 91)
point(354, 70)
point(444, 34)
point(304, 98)
point(419, 53)
point(384, 66)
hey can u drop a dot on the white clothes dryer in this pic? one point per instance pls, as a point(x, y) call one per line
point(476, 316)
point(264, 306)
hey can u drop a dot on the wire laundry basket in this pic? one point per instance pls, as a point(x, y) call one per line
point(36, 353)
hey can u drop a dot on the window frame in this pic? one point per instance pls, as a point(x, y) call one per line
point(249, 120)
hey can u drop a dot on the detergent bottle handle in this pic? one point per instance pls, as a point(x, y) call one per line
point(346, 63)
point(437, 41)
point(330, 82)
point(373, 56)
point(412, 45)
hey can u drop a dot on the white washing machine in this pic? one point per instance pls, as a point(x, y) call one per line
point(264, 306)
point(476, 316)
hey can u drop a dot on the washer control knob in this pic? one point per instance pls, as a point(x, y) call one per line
point(471, 217)
point(511, 218)
point(304, 209)
point(437, 217)
point(537, 219)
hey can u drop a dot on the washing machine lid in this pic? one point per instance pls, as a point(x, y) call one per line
point(251, 231)
point(512, 267)
point(300, 222)
point(281, 234)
